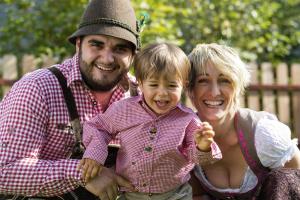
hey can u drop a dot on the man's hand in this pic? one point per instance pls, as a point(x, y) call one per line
point(105, 185)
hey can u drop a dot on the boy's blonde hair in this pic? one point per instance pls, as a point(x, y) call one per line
point(161, 59)
point(223, 58)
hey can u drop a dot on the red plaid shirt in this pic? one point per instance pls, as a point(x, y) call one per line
point(35, 136)
point(157, 152)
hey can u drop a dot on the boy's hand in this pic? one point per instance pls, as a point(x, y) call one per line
point(204, 137)
point(90, 168)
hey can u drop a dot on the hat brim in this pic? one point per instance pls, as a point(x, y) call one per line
point(110, 30)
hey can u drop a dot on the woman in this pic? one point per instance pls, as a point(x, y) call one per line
point(219, 78)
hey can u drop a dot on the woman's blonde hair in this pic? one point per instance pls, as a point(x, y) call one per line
point(223, 58)
point(161, 59)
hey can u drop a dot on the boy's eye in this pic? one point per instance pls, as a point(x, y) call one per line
point(173, 85)
point(153, 85)
point(202, 80)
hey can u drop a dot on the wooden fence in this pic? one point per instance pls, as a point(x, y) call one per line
point(274, 88)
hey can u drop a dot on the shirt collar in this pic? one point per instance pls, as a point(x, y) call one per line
point(75, 74)
point(140, 99)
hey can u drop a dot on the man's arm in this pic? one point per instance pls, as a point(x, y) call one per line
point(23, 133)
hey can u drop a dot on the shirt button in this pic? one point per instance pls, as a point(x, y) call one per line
point(148, 149)
point(3, 145)
point(230, 198)
point(144, 185)
point(152, 138)
point(153, 130)
point(133, 163)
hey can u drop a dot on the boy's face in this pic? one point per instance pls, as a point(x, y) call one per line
point(161, 93)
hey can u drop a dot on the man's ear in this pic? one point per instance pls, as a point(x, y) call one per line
point(78, 41)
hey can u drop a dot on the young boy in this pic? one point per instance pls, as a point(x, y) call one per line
point(161, 140)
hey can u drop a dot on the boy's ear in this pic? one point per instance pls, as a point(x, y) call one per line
point(139, 82)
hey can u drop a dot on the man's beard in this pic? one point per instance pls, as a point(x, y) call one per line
point(97, 85)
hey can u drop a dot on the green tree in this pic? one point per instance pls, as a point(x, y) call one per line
point(261, 29)
point(39, 27)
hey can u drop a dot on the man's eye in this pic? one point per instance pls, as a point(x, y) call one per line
point(122, 49)
point(153, 85)
point(96, 44)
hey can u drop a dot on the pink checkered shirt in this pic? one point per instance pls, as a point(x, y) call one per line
point(157, 152)
point(35, 136)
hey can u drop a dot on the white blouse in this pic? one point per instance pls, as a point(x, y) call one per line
point(274, 148)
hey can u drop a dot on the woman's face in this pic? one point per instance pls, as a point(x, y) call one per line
point(213, 95)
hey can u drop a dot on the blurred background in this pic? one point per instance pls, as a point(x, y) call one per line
point(33, 34)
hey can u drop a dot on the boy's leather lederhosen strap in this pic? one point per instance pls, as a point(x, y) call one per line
point(78, 194)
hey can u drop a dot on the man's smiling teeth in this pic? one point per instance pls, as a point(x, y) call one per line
point(213, 103)
point(104, 68)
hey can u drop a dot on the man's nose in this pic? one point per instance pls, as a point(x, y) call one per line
point(107, 56)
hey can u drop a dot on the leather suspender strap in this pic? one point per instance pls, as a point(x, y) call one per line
point(71, 105)
point(67, 93)
point(245, 122)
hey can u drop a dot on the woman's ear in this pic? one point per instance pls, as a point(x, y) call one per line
point(190, 94)
point(186, 85)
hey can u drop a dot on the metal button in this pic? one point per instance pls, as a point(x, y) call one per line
point(153, 130)
point(148, 149)
point(230, 198)
point(3, 145)
point(95, 103)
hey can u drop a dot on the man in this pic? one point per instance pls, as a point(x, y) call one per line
point(36, 136)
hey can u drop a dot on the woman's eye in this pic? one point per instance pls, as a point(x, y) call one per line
point(225, 81)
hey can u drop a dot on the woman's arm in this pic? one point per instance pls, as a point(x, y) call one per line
point(294, 162)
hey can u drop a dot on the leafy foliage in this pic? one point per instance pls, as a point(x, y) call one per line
point(261, 29)
point(39, 27)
